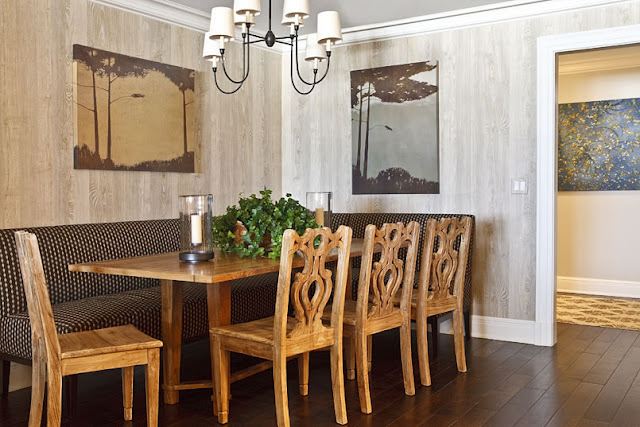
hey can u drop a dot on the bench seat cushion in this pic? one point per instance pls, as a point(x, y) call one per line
point(251, 298)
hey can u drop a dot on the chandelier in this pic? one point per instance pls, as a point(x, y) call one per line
point(222, 31)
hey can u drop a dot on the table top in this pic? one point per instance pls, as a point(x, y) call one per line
point(223, 267)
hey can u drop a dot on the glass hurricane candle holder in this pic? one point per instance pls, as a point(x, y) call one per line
point(319, 204)
point(195, 228)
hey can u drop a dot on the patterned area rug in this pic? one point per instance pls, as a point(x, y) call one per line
point(599, 311)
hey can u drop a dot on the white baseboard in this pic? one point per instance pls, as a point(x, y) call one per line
point(613, 288)
point(20, 377)
point(496, 328)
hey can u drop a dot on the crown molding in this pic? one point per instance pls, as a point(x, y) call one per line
point(165, 11)
point(464, 18)
point(197, 20)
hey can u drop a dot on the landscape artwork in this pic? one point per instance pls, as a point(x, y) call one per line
point(132, 114)
point(394, 117)
point(599, 145)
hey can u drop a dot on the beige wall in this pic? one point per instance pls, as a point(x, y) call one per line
point(598, 231)
point(238, 136)
point(487, 136)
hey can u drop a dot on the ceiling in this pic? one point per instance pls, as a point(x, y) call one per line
point(353, 13)
point(599, 59)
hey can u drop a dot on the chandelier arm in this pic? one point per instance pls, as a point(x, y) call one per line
point(293, 83)
point(245, 62)
point(298, 66)
point(281, 42)
point(215, 79)
point(327, 70)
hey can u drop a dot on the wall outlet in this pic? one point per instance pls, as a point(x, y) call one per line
point(519, 186)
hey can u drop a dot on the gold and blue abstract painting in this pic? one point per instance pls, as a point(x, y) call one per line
point(599, 145)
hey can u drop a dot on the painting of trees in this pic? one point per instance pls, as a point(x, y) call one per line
point(138, 107)
point(395, 129)
point(599, 145)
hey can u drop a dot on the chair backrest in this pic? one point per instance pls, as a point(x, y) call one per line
point(443, 269)
point(381, 280)
point(313, 286)
point(35, 288)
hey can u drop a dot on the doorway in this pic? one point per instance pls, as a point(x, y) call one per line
point(549, 48)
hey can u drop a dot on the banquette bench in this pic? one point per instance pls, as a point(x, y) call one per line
point(83, 301)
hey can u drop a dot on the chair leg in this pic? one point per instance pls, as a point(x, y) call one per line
point(5, 375)
point(127, 392)
point(38, 376)
point(54, 395)
point(350, 351)
point(303, 373)
point(280, 389)
point(369, 351)
point(458, 339)
point(152, 385)
point(467, 324)
point(407, 364)
point(362, 373)
point(433, 321)
point(70, 394)
point(221, 379)
point(423, 351)
point(337, 381)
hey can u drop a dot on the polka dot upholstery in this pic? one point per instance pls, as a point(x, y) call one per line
point(359, 221)
point(85, 301)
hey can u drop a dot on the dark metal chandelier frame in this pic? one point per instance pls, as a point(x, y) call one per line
point(270, 40)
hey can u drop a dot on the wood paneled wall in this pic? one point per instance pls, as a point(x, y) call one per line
point(487, 137)
point(239, 136)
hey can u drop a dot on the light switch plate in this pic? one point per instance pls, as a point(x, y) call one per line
point(519, 186)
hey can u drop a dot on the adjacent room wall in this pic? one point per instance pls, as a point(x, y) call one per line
point(487, 137)
point(238, 136)
point(598, 231)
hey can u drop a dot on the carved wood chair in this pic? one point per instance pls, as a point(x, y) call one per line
point(441, 285)
point(280, 337)
point(381, 283)
point(55, 356)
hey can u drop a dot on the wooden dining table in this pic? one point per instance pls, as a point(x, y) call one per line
point(217, 276)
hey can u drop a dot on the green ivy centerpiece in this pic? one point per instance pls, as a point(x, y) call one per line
point(255, 227)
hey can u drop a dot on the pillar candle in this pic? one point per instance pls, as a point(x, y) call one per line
point(196, 229)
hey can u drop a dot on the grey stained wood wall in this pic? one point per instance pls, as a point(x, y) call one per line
point(487, 136)
point(240, 141)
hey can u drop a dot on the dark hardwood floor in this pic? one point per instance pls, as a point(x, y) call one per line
point(589, 379)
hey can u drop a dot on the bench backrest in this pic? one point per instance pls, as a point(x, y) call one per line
point(67, 244)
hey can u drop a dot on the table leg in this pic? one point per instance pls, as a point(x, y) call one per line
point(219, 312)
point(172, 338)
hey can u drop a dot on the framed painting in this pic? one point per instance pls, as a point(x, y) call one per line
point(132, 114)
point(394, 116)
point(599, 145)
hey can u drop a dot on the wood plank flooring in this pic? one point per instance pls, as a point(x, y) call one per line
point(589, 379)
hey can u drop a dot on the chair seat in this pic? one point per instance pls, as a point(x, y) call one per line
point(236, 337)
point(104, 341)
point(434, 306)
point(349, 316)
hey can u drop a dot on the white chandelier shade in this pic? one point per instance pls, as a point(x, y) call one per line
point(296, 7)
point(314, 50)
point(243, 7)
point(211, 48)
point(329, 28)
point(222, 24)
point(318, 46)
